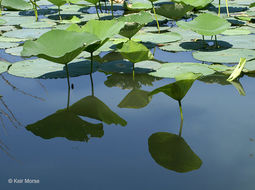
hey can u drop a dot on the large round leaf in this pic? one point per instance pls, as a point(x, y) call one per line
point(158, 38)
point(173, 153)
point(59, 46)
point(240, 41)
point(58, 2)
point(40, 68)
point(4, 66)
point(224, 56)
point(195, 3)
point(26, 33)
point(172, 70)
point(16, 4)
point(206, 24)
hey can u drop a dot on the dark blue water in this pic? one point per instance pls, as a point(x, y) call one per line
point(218, 127)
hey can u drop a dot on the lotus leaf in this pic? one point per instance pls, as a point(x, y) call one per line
point(14, 51)
point(172, 70)
point(135, 52)
point(94, 2)
point(172, 152)
point(224, 56)
point(5, 45)
point(158, 38)
point(136, 99)
point(66, 124)
point(2, 21)
point(137, 5)
point(59, 46)
point(58, 3)
point(4, 66)
point(237, 71)
point(176, 90)
point(16, 4)
point(242, 42)
point(236, 32)
point(206, 24)
point(92, 107)
point(38, 25)
point(40, 68)
point(173, 11)
point(195, 3)
point(26, 33)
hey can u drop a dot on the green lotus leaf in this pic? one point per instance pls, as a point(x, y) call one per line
point(240, 41)
point(14, 51)
point(16, 4)
point(58, 3)
point(137, 5)
point(66, 124)
point(94, 2)
point(206, 24)
point(249, 67)
point(134, 22)
point(158, 38)
point(236, 32)
point(5, 45)
point(195, 3)
point(135, 52)
point(7, 39)
point(26, 33)
point(92, 107)
point(173, 11)
point(43, 69)
point(4, 66)
point(124, 66)
point(135, 99)
point(47, 24)
point(59, 46)
point(2, 21)
point(172, 70)
point(172, 152)
point(176, 90)
point(17, 20)
point(101, 29)
point(224, 56)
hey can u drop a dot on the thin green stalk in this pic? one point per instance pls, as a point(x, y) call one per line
point(105, 6)
point(180, 130)
point(219, 9)
point(155, 16)
point(97, 12)
point(112, 8)
point(68, 82)
point(0, 7)
point(180, 107)
point(227, 7)
point(203, 37)
point(216, 42)
point(133, 71)
point(154, 50)
point(60, 18)
point(91, 71)
point(100, 7)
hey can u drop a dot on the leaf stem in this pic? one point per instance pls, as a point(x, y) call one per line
point(60, 18)
point(219, 9)
point(112, 8)
point(153, 8)
point(97, 12)
point(227, 7)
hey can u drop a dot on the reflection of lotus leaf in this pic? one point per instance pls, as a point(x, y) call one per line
point(66, 124)
point(172, 152)
point(92, 107)
point(135, 99)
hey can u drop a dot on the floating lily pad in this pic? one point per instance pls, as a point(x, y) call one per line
point(38, 25)
point(236, 32)
point(4, 66)
point(124, 66)
point(195, 3)
point(16, 4)
point(2, 21)
point(136, 99)
point(249, 66)
point(206, 24)
point(158, 38)
point(5, 45)
point(14, 51)
point(173, 153)
point(224, 56)
point(40, 68)
point(245, 42)
point(7, 39)
point(7, 28)
point(26, 33)
point(17, 20)
point(92, 107)
point(172, 70)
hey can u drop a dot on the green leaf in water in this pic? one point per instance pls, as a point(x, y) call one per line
point(237, 70)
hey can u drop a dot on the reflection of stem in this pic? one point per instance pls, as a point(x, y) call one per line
point(60, 18)
point(10, 119)
point(155, 16)
point(97, 12)
point(2, 122)
point(92, 84)
point(68, 82)
point(15, 88)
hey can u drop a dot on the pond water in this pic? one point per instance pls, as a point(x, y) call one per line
point(218, 126)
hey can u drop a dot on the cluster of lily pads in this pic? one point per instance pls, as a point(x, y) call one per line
point(70, 43)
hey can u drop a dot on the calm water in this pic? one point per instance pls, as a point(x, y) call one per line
point(218, 127)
